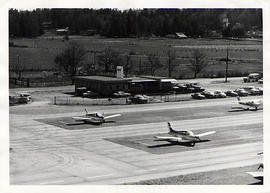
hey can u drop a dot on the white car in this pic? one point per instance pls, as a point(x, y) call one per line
point(121, 94)
point(27, 96)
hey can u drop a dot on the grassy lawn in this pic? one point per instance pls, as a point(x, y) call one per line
point(247, 56)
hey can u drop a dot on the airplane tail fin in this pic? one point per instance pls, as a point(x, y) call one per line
point(170, 127)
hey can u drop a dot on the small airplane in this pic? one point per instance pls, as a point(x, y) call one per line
point(94, 118)
point(253, 104)
point(259, 173)
point(182, 137)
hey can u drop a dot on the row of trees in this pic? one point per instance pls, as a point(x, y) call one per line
point(72, 58)
point(134, 22)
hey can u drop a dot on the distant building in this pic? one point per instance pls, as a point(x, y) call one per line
point(177, 35)
point(89, 32)
point(46, 25)
point(180, 35)
point(215, 34)
point(224, 20)
point(62, 31)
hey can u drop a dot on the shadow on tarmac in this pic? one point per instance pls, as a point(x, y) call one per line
point(243, 109)
point(176, 143)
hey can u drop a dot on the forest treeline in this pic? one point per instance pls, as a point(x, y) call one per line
point(135, 22)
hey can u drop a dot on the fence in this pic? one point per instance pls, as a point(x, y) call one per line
point(29, 83)
point(67, 100)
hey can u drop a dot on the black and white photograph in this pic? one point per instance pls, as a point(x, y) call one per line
point(136, 96)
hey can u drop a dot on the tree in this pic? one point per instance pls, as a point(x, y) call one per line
point(154, 62)
point(70, 58)
point(109, 59)
point(198, 62)
point(171, 58)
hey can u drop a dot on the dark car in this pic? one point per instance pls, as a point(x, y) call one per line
point(180, 89)
point(241, 92)
point(198, 96)
point(209, 95)
point(231, 93)
point(194, 87)
point(219, 94)
point(140, 99)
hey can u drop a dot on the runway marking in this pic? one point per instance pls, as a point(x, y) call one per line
point(100, 176)
point(51, 182)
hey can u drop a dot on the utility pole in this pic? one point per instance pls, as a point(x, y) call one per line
point(19, 68)
point(227, 64)
point(226, 71)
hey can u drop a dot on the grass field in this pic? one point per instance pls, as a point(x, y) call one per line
point(247, 56)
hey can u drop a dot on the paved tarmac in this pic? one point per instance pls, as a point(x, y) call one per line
point(43, 151)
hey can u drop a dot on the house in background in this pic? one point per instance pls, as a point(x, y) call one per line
point(62, 31)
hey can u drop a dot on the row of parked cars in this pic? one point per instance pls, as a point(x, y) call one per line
point(187, 88)
point(242, 91)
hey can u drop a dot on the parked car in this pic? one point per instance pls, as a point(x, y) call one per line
point(260, 89)
point(198, 96)
point(89, 94)
point(241, 92)
point(253, 77)
point(231, 93)
point(219, 94)
point(254, 91)
point(198, 88)
point(180, 88)
point(207, 94)
point(25, 97)
point(121, 94)
point(194, 87)
point(260, 81)
point(251, 90)
point(140, 99)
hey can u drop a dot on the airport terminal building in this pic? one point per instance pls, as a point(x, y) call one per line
point(106, 86)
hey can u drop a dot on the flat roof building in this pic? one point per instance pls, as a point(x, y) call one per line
point(102, 84)
point(106, 86)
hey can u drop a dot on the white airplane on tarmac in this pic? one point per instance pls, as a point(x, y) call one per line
point(252, 104)
point(183, 136)
point(94, 118)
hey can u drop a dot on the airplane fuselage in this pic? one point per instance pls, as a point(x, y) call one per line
point(184, 135)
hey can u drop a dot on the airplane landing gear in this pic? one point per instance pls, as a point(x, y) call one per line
point(192, 144)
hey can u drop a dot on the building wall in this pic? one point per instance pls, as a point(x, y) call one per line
point(102, 87)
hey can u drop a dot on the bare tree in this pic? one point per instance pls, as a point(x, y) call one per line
point(171, 58)
point(198, 62)
point(153, 60)
point(129, 63)
point(109, 59)
point(70, 58)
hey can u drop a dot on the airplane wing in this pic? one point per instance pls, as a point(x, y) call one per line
point(204, 134)
point(257, 175)
point(111, 116)
point(171, 139)
point(82, 118)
